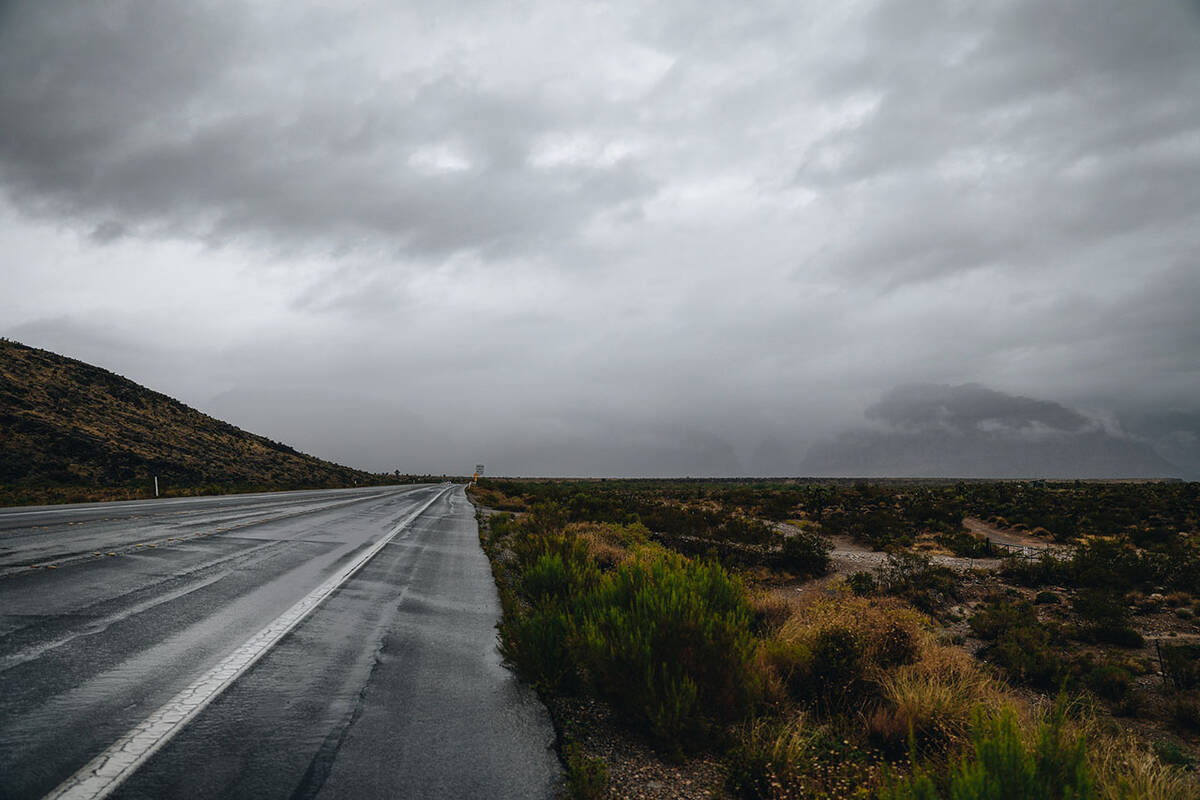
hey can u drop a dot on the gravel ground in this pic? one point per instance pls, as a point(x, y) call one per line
point(635, 770)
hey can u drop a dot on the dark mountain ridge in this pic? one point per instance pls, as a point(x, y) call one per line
point(70, 430)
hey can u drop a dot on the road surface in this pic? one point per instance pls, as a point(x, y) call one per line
point(335, 644)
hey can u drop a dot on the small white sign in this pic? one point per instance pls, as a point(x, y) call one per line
point(479, 469)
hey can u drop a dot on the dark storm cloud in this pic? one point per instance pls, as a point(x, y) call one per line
point(1009, 133)
point(184, 119)
point(606, 237)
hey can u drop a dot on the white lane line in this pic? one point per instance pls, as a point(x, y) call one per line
point(104, 773)
point(141, 547)
point(139, 505)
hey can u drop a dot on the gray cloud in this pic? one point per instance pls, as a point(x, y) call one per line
point(612, 238)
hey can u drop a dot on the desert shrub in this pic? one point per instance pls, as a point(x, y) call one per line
point(1180, 664)
point(836, 667)
point(805, 552)
point(787, 665)
point(1120, 635)
point(915, 578)
point(1047, 598)
point(557, 577)
point(546, 518)
point(587, 776)
point(964, 544)
point(831, 652)
point(1021, 645)
point(998, 617)
point(668, 641)
point(1109, 563)
point(1044, 570)
point(1002, 766)
point(1110, 682)
point(609, 544)
point(1100, 607)
point(1185, 711)
point(537, 643)
point(1028, 656)
point(861, 583)
point(774, 760)
point(499, 526)
point(1170, 753)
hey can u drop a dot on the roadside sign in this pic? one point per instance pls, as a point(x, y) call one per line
point(478, 470)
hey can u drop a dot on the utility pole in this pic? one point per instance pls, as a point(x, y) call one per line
point(156, 486)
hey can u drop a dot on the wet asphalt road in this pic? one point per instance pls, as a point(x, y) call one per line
point(391, 687)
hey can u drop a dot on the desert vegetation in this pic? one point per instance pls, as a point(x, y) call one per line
point(709, 621)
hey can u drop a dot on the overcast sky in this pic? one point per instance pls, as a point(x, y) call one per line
point(606, 238)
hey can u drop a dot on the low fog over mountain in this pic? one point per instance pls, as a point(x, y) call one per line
point(970, 431)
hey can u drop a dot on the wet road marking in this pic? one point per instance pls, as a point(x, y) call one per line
point(107, 771)
point(72, 558)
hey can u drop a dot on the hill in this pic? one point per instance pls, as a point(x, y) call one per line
point(72, 431)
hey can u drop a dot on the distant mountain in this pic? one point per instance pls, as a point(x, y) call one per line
point(64, 423)
point(970, 431)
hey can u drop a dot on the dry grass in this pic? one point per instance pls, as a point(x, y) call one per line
point(773, 607)
point(1124, 769)
point(609, 544)
point(932, 699)
point(799, 760)
point(882, 625)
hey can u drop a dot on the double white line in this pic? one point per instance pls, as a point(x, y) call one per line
point(104, 773)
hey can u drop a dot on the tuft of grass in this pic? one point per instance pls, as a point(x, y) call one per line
point(1126, 770)
point(797, 760)
point(1002, 765)
point(929, 704)
point(587, 776)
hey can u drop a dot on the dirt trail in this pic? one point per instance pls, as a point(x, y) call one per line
point(1008, 537)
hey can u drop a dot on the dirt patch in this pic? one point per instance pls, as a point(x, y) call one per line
point(635, 770)
point(1008, 536)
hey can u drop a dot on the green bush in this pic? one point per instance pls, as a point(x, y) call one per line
point(668, 641)
point(1181, 664)
point(1027, 654)
point(1100, 607)
point(1186, 711)
point(861, 583)
point(587, 776)
point(806, 553)
point(965, 545)
point(1044, 570)
point(1120, 635)
point(1170, 753)
point(837, 667)
point(558, 577)
point(998, 617)
point(1001, 767)
point(1047, 598)
point(1110, 682)
point(1022, 646)
point(537, 644)
point(915, 578)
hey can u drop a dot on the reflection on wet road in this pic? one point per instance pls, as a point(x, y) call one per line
point(384, 681)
